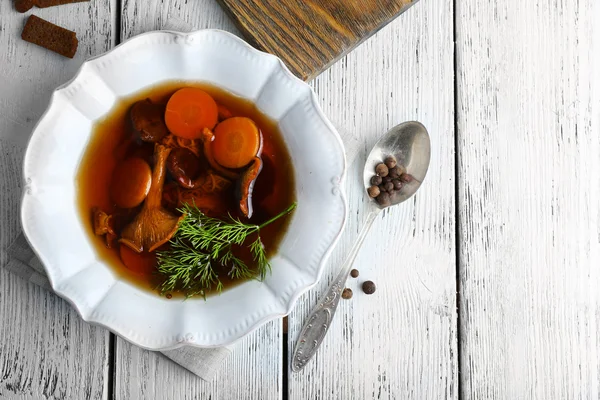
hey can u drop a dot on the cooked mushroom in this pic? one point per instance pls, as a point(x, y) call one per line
point(193, 145)
point(184, 166)
point(148, 120)
point(154, 225)
point(174, 196)
point(185, 169)
point(103, 223)
point(246, 184)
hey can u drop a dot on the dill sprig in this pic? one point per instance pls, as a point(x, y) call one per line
point(197, 280)
point(201, 242)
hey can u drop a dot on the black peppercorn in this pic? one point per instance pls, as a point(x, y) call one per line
point(381, 169)
point(389, 187)
point(387, 179)
point(384, 199)
point(376, 180)
point(354, 273)
point(390, 162)
point(347, 294)
point(382, 188)
point(394, 172)
point(368, 287)
point(373, 191)
point(397, 184)
point(406, 178)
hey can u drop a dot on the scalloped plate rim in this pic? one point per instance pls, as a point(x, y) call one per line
point(294, 296)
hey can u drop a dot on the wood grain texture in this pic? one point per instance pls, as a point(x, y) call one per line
point(311, 35)
point(46, 350)
point(143, 16)
point(529, 198)
point(254, 370)
point(400, 342)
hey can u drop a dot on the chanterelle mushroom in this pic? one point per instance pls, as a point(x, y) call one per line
point(104, 226)
point(154, 225)
point(245, 185)
point(103, 223)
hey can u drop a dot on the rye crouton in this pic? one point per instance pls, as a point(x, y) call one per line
point(50, 36)
point(26, 5)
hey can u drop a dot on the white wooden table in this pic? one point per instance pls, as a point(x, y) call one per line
point(488, 279)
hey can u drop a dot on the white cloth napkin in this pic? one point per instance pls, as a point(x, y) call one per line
point(202, 362)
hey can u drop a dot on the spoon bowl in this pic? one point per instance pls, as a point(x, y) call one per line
point(409, 143)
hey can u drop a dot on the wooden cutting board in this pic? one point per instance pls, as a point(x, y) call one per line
point(310, 35)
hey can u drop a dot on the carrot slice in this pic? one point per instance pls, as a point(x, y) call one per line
point(207, 139)
point(130, 182)
point(189, 111)
point(237, 141)
point(142, 263)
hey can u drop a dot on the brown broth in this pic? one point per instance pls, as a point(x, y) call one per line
point(273, 191)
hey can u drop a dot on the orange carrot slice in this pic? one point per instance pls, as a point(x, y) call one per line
point(207, 139)
point(130, 182)
point(141, 263)
point(189, 111)
point(237, 141)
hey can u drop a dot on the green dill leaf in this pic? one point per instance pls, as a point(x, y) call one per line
point(259, 255)
point(200, 243)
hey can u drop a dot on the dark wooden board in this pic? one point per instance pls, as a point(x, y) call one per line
point(310, 35)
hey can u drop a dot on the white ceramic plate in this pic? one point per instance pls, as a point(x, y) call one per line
point(55, 230)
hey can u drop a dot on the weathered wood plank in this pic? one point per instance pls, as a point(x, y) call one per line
point(311, 35)
point(254, 370)
point(46, 350)
point(144, 16)
point(399, 343)
point(529, 198)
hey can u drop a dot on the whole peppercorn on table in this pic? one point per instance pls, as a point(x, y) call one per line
point(483, 286)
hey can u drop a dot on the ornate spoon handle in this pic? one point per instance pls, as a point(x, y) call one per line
point(318, 322)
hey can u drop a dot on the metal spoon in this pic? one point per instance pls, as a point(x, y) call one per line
point(409, 143)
